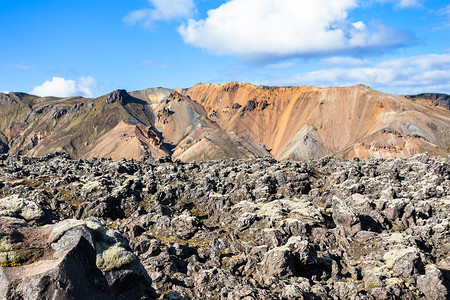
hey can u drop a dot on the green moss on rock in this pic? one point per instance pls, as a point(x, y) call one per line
point(14, 206)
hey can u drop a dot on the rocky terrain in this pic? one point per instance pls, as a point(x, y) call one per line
point(232, 120)
point(230, 229)
point(436, 99)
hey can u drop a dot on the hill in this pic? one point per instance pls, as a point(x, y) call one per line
point(232, 120)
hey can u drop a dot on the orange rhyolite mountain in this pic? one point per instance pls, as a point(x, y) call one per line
point(309, 122)
point(210, 121)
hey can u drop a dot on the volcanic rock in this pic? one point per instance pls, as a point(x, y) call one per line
point(439, 99)
point(120, 96)
point(80, 260)
point(230, 229)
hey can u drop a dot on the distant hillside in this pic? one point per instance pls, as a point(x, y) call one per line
point(305, 122)
point(438, 99)
point(232, 120)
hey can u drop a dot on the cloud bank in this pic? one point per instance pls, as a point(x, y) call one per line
point(60, 87)
point(271, 29)
point(163, 10)
point(403, 3)
point(348, 61)
point(409, 75)
point(409, 3)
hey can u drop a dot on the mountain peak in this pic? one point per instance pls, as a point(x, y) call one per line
point(120, 96)
point(231, 120)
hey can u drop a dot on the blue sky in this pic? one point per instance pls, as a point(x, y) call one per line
point(89, 48)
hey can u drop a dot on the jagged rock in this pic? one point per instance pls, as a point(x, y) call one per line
point(84, 260)
point(432, 283)
point(287, 260)
point(58, 114)
point(344, 216)
point(148, 246)
point(14, 206)
point(343, 290)
point(120, 96)
point(292, 292)
point(185, 225)
point(232, 229)
point(209, 282)
point(245, 221)
point(408, 267)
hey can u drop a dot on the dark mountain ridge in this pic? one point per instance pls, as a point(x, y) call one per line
point(438, 99)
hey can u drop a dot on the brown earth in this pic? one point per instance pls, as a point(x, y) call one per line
point(308, 122)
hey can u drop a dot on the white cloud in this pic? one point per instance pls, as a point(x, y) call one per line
point(85, 85)
point(163, 10)
point(403, 3)
point(347, 61)
point(444, 11)
point(272, 29)
point(409, 75)
point(60, 87)
point(409, 3)
point(443, 18)
point(283, 65)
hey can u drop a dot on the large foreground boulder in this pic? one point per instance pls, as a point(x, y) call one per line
point(79, 260)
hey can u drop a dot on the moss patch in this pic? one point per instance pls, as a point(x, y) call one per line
point(112, 258)
point(19, 256)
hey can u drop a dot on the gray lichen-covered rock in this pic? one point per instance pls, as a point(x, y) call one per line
point(432, 283)
point(280, 261)
point(15, 206)
point(232, 229)
point(185, 225)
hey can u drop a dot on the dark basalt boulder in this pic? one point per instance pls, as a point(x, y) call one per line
point(3, 148)
point(79, 260)
point(236, 106)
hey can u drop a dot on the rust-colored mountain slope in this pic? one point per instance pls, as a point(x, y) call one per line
point(209, 121)
point(185, 126)
point(128, 141)
point(306, 122)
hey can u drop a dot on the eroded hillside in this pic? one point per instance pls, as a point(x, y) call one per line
point(210, 122)
point(305, 122)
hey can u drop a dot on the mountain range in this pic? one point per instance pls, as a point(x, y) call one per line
point(231, 120)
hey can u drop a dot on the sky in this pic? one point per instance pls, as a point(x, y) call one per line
point(90, 48)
